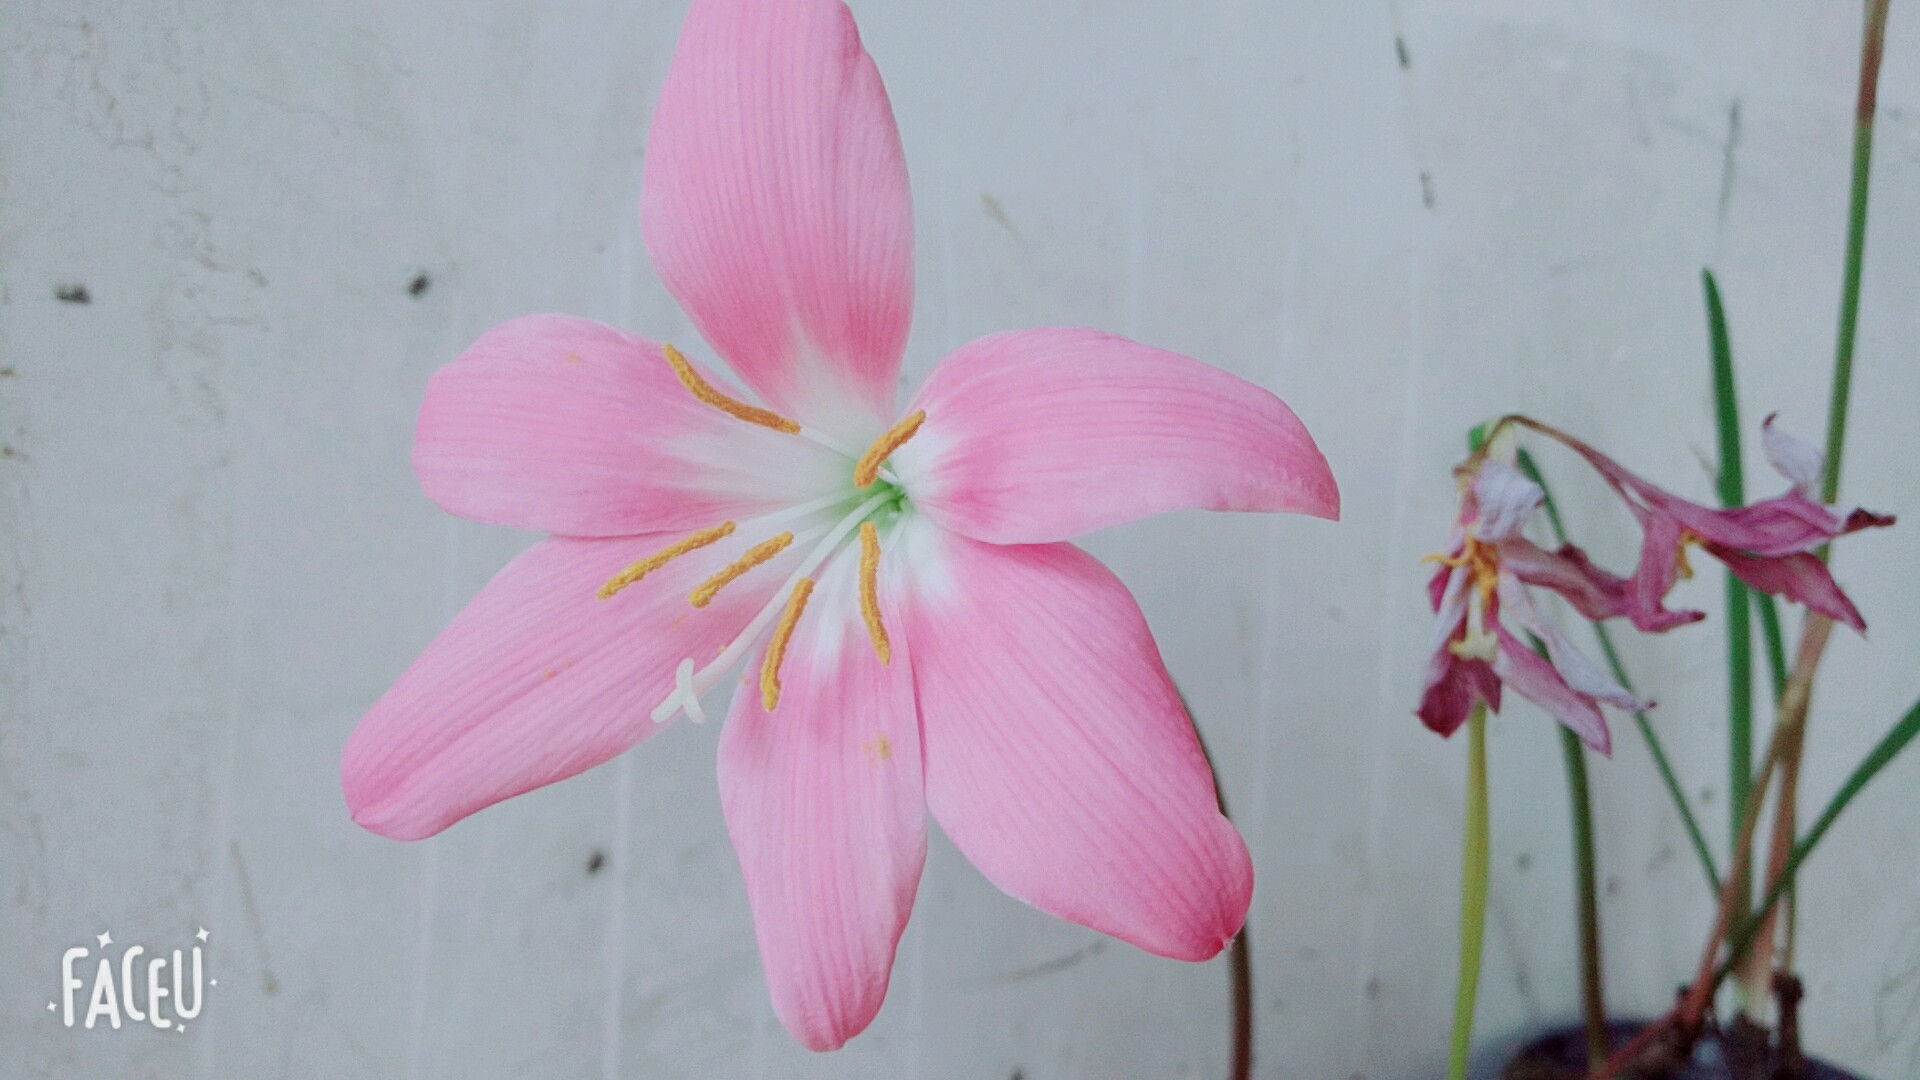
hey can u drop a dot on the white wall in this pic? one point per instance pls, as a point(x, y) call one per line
point(215, 554)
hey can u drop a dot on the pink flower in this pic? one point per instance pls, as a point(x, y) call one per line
point(913, 630)
point(1483, 576)
point(1768, 545)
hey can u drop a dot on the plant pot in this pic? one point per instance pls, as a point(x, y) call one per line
point(1742, 1053)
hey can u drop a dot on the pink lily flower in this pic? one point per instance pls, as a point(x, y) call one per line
point(913, 630)
point(1768, 545)
point(1483, 576)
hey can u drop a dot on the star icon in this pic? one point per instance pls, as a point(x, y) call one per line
point(202, 935)
point(51, 1006)
point(213, 982)
point(181, 1028)
point(104, 939)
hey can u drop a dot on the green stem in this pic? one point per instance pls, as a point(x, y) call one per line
point(1473, 894)
point(1695, 835)
point(1871, 49)
point(1883, 753)
point(1592, 985)
point(1733, 492)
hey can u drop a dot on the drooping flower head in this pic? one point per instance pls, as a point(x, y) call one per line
point(891, 585)
point(1490, 565)
point(1481, 581)
point(1769, 544)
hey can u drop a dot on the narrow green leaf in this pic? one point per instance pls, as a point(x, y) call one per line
point(1733, 492)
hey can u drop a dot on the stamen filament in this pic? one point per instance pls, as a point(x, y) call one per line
point(777, 648)
point(870, 591)
point(739, 410)
point(661, 558)
point(868, 470)
point(756, 555)
point(707, 677)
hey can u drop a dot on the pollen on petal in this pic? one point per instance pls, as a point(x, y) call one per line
point(777, 648)
point(868, 470)
point(661, 558)
point(756, 555)
point(870, 591)
point(739, 410)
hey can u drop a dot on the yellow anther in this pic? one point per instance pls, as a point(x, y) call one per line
point(757, 554)
point(777, 648)
point(740, 410)
point(1687, 540)
point(870, 591)
point(655, 561)
point(1482, 562)
point(865, 473)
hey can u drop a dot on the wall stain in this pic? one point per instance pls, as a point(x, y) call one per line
point(992, 208)
point(74, 293)
point(269, 984)
point(418, 287)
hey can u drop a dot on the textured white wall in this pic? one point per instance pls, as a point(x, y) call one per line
point(1401, 216)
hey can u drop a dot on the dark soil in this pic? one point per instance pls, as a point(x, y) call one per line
point(1742, 1053)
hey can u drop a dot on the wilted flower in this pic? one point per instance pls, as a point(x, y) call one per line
point(1489, 565)
point(1473, 653)
point(1768, 545)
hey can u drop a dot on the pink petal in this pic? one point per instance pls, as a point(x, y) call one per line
point(824, 803)
point(1783, 525)
point(562, 425)
point(1803, 579)
point(1042, 435)
point(1454, 684)
point(1654, 577)
point(538, 679)
point(1533, 678)
point(1058, 755)
point(1575, 667)
point(1592, 591)
point(775, 205)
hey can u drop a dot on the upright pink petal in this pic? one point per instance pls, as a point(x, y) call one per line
point(562, 425)
point(1505, 500)
point(775, 205)
point(1042, 435)
point(539, 679)
point(1798, 461)
point(1058, 756)
point(824, 803)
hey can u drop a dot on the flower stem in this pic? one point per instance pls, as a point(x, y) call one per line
point(1889, 747)
point(1872, 48)
point(1592, 986)
point(1659, 753)
point(1473, 894)
point(1241, 960)
point(1239, 953)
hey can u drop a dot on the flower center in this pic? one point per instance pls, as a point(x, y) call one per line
point(1482, 562)
point(884, 496)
